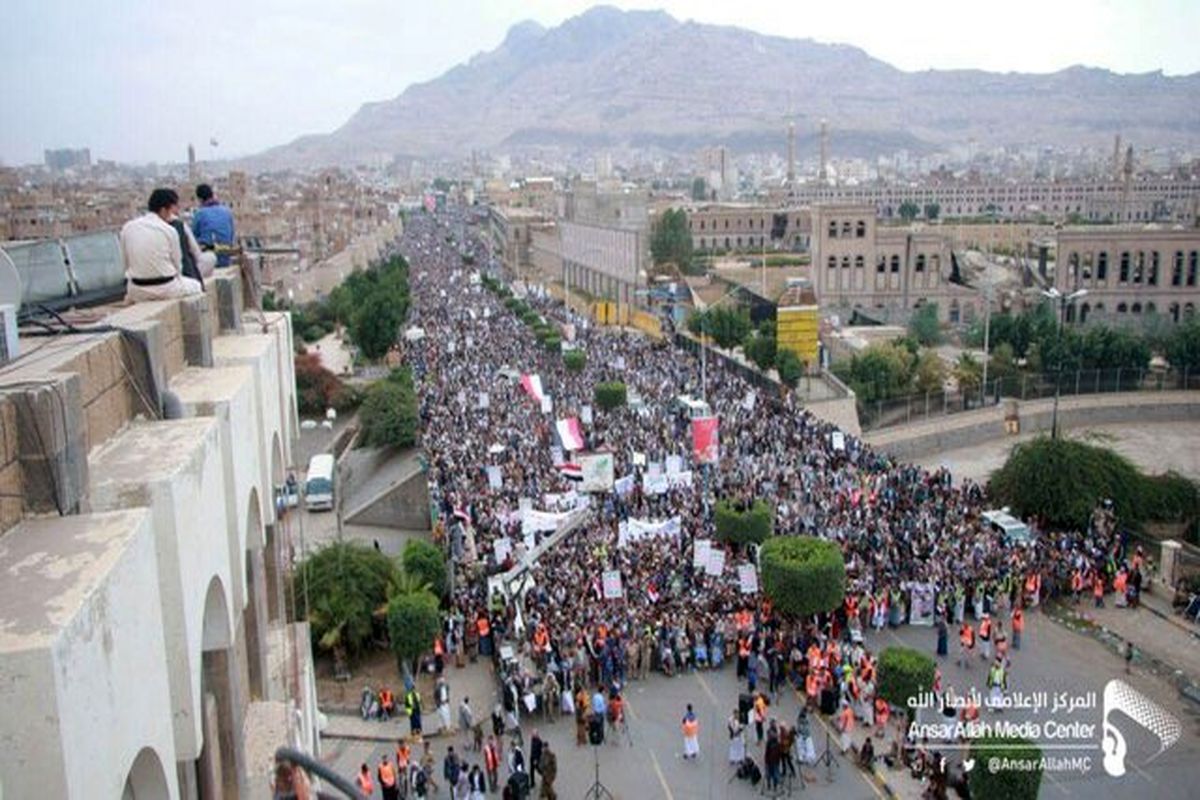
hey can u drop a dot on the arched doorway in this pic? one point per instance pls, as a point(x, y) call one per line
point(218, 765)
point(146, 780)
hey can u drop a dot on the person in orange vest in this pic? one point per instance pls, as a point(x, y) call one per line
point(1098, 590)
point(812, 687)
point(1120, 582)
point(966, 644)
point(743, 655)
point(1018, 626)
point(691, 734)
point(484, 627)
point(1033, 588)
point(491, 763)
point(882, 713)
point(845, 723)
point(366, 786)
point(387, 703)
point(389, 783)
point(985, 636)
point(403, 756)
point(1076, 585)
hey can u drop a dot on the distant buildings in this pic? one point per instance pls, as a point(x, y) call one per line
point(67, 158)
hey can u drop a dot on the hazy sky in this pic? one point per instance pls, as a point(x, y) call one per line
point(136, 80)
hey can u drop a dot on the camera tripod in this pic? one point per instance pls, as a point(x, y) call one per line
point(828, 758)
point(597, 790)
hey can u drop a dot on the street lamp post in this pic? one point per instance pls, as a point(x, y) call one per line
point(1063, 301)
point(703, 349)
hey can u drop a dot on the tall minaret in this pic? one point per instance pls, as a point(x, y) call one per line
point(193, 174)
point(824, 173)
point(1116, 159)
point(1127, 182)
point(791, 169)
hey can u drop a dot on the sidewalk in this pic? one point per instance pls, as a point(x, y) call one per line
point(474, 681)
point(1164, 641)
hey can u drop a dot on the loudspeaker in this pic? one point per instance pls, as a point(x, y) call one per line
point(828, 701)
point(745, 704)
point(596, 730)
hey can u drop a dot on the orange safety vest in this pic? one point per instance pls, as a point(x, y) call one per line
point(985, 629)
point(483, 626)
point(971, 712)
point(439, 649)
point(690, 728)
point(1098, 587)
point(490, 758)
point(402, 755)
point(881, 711)
point(1076, 582)
point(1018, 621)
point(365, 784)
point(387, 775)
point(743, 647)
point(967, 636)
point(1119, 583)
point(847, 719)
point(541, 639)
point(810, 684)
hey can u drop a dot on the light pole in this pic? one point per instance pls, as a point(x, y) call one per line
point(704, 349)
point(1063, 301)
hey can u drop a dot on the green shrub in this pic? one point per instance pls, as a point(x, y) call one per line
point(389, 415)
point(574, 360)
point(789, 366)
point(736, 526)
point(413, 623)
point(1004, 784)
point(425, 562)
point(345, 582)
point(903, 674)
point(553, 342)
point(803, 575)
point(610, 395)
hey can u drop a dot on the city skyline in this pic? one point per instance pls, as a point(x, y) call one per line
point(136, 86)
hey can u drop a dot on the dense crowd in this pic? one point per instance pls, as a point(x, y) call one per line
point(900, 527)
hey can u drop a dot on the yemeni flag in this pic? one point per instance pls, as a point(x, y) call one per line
point(532, 384)
point(572, 472)
point(652, 593)
point(570, 434)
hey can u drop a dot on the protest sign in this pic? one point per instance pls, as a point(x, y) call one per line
point(747, 578)
point(612, 585)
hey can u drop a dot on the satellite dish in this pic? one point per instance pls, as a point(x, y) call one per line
point(10, 282)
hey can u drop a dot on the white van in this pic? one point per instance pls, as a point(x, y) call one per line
point(1007, 526)
point(318, 484)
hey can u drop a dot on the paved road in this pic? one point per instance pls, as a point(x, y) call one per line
point(1053, 659)
point(1155, 447)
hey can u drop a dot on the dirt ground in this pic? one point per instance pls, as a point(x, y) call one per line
point(376, 669)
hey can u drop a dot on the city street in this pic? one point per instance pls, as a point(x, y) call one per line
point(1053, 659)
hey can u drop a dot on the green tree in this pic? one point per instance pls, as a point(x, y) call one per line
point(375, 326)
point(1005, 784)
point(425, 563)
point(743, 525)
point(1002, 364)
point(803, 575)
point(761, 345)
point(389, 415)
point(789, 366)
point(968, 373)
point(904, 674)
point(343, 583)
point(924, 325)
point(932, 211)
point(881, 371)
point(728, 327)
point(413, 623)
point(909, 210)
point(1183, 345)
point(610, 395)
point(671, 241)
point(574, 360)
point(699, 190)
point(931, 372)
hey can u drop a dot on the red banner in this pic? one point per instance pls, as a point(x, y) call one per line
point(705, 441)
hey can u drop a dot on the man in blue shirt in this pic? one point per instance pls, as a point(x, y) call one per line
point(212, 223)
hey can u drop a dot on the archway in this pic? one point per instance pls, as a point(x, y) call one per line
point(218, 765)
point(255, 613)
point(271, 554)
point(146, 780)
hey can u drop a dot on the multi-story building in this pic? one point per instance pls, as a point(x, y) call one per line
point(1129, 272)
point(883, 273)
point(731, 227)
point(143, 621)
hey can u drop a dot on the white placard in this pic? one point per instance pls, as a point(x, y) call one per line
point(612, 585)
point(674, 465)
point(623, 486)
point(484, 400)
point(556, 454)
point(747, 578)
point(838, 439)
point(502, 548)
point(639, 459)
point(716, 562)
point(700, 551)
point(585, 415)
point(495, 480)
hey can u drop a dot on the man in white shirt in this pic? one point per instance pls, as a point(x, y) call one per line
point(153, 257)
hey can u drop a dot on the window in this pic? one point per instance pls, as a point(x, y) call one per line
point(895, 264)
point(1136, 308)
point(739, 241)
point(1122, 308)
point(881, 266)
point(1193, 265)
point(1087, 266)
point(833, 262)
point(1123, 277)
point(1177, 269)
point(859, 262)
point(701, 224)
point(1189, 311)
point(727, 240)
point(1152, 278)
point(702, 243)
point(860, 230)
point(1073, 265)
point(920, 265)
point(726, 224)
point(832, 229)
point(1102, 266)
point(1151, 308)
point(846, 229)
point(845, 262)
point(1174, 312)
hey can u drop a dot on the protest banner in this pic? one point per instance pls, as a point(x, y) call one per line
point(700, 551)
point(747, 579)
point(715, 566)
point(597, 472)
point(705, 440)
point(612, 585)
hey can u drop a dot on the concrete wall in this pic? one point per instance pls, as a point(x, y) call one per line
point(911, 442)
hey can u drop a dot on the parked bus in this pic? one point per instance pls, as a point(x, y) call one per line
point(318, 485)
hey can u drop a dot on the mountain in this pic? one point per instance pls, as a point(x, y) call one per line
point(609, 78)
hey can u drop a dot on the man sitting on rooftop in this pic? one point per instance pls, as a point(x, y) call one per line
point(213, 224)
point(152, 253)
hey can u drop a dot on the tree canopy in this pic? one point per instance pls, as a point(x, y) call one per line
point(1005, 784)
point(389, 415)
point(344, 583)
point(882, 370)
point(425, 563)
point(803, 575)
point(672, 239)
point(924, 325)
point(413, 622)
point(728, 327)
point(903, 674)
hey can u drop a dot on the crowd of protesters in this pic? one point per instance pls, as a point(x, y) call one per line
point(903, 530)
